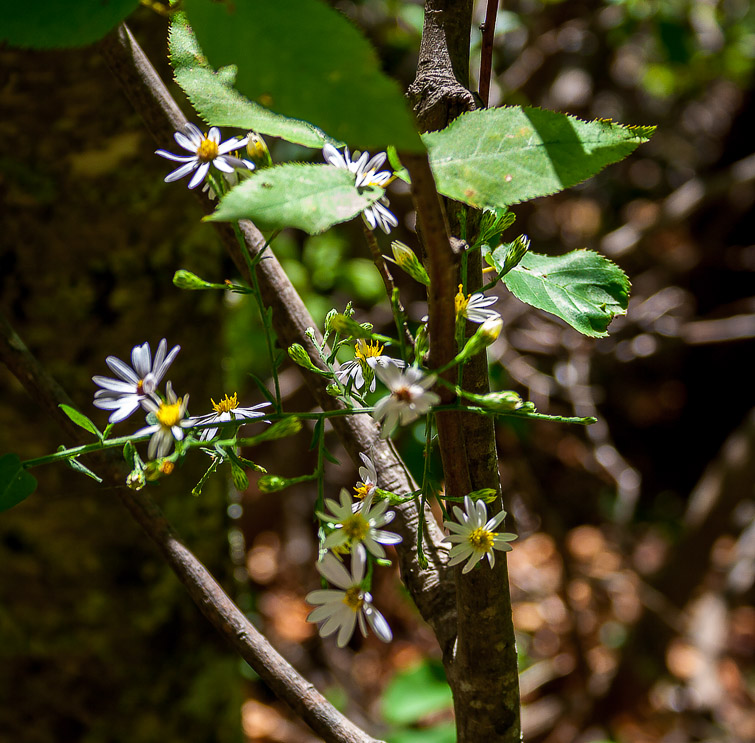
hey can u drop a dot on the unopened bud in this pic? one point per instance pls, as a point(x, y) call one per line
point(257, 150)
point(407, 261)
point(240, 480)
point(486, 334)
point(187, 280)
point(300, 356)
point(280, 430)
point(136, 479)
point(516, 251)
point(333, 390)
point(272, 483)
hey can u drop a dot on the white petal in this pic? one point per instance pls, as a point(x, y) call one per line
point(181, 172)
point(377, 621)
point(176, 158)
point(346, 631)
point(199, 176)
point(123, 370)
point(334, 572)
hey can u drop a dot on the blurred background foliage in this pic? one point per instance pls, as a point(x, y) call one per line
point(635, 560)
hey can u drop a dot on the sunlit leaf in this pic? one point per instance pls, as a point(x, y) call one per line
point(305, 60)
point(215, 99)
point(500, 156)
point(310, 197)
point(582, 287)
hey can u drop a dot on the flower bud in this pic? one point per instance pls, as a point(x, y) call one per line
point(407, 260)
point(347, 326)
point(485, 335)
point(515, 253)
point(256, 148)
point(187, 280)
point(300, 356)
point(240, 480)
point(136, 479)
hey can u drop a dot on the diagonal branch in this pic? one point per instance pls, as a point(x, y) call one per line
point(212, 600)
point(358, 433)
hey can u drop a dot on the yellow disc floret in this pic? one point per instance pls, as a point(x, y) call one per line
point(226, 404)
point(481, 539)
point(364, 351)
point(460, 302)
point(353, 598)
point(356, 527)
point(207, 151)
point(170, 415)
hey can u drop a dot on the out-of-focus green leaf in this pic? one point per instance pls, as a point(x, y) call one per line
point(414, 694)
point(16, 484)
point(500, 156)
point(310, 197)
point(307, 61)
point(215, 99)
point(582, 287)
point(52, 24)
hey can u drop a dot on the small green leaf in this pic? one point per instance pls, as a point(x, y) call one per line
point(79, 467)
point(310, 197)
point(307, 61)
point(214, 98)
point(50, 24)
point(16, 484)
point(501, 156)
point(80, 420)
point(582, 287)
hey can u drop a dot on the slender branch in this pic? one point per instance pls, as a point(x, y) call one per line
point(291, 319)
point(486, 54)
point(214, 603)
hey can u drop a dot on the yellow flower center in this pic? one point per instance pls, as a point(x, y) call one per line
point(207, 151)
point(481, 539)
point(353, 598)
point(169, 415)
point(364, 351)
point(226, 404)
point(356, 527)
point(461, 302)
point(363, 490)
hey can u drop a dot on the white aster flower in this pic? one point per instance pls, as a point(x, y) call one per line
point(366, 173)
point(409, 398)
point(206, 150)
point(341, 610)
point(474, 535)
point(366, 486)
point(353, 527)
point(474, 307)
point(226, 410)
point(124, 395)
point(171, 421)
point(367, 357)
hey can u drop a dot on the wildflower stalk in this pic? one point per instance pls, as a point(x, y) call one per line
point(264, 315)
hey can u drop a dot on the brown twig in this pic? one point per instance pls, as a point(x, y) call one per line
point(214, 603)
point(486, 53)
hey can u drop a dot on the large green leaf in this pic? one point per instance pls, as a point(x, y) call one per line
point(310, 197)
point(305, 60)
point(501, 156)
point(416, 693)
point(582, 287)
point(52, 24)
point(214, 98)
point(16, 484)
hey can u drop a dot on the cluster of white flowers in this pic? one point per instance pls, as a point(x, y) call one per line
point(366, 173)
point(354, 528)
point(136, 387)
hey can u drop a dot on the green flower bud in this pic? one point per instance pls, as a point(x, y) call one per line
point(187, 280)
point(272, 483)
point(136, 479)
point(258, 152)
point(280, 430)
point(515, 253)
point(486, 334)
point(240, 480)
point(333, 390)
point(407, 260)
point(300, 356)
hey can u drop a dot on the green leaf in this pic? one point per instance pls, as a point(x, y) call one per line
point(414, 694)
point(305, 60)
point(79, 467)
point(310, 197)
point(50, 24)
point(582, 287)
point(501, 156)
point(214, 98)
point(16, 484)
point(80, 420)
